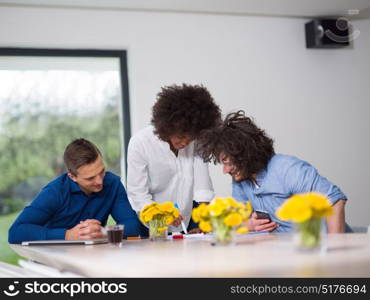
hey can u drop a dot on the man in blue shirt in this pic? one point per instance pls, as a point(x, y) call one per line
point(263, 177)
point(77, 204)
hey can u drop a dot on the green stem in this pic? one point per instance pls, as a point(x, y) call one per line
point(154, 225)
point(221, 232)
point(310, 232)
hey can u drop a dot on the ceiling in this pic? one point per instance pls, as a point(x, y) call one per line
point(280, 8)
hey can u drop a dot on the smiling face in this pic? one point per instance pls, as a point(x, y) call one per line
point(179, 141)
point(230, 168)
point(90, 176)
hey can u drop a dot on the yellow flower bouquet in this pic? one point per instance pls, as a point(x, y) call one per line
point(306, 210)
point(158, 216)
point(222, 216)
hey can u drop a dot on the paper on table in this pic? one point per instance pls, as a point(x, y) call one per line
point(200, 236)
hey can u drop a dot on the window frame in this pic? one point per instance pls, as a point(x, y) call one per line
point(120, 54)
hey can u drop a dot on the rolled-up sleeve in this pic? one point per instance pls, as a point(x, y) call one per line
point(301, 177)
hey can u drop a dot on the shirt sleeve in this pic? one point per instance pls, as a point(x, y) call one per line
point(30, 224)
point(301, 177)
point(137, 176)
point(123, 213)
point(203, 189)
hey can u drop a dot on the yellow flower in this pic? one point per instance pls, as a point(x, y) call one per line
point(232, 202)
point(215, 210)
point(195, 214)
point(160, 229)
point(146, 207)
point(141, 217)
point(302, 207)
point(325, 213)
point(242, 230)
point(321, 205)
point(225, 211)
point(166, 212)
point(245, 210)
point(200, 213)
point(203, 210)
point(144, 212)
point(301, 212)
point(149, 213)
point(233, 219)
point(176, 213)
point(217, 207)
point(205, 226)
point(167, 207)
point(169, 220)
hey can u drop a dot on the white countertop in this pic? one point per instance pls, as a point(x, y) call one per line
point(269, 255)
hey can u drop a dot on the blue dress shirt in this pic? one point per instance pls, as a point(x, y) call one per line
point(284, 176)
point(62, 204)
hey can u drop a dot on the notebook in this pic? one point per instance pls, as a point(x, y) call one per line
point(65, 242)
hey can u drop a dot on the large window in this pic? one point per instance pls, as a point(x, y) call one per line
point(47, 99)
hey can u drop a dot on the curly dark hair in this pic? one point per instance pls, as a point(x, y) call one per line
point(184, 110)
point(247, 146)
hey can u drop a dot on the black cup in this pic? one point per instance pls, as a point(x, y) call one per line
point(115, 234)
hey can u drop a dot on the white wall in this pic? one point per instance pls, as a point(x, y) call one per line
point(314, 103)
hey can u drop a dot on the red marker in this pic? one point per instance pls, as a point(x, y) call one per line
point(177, 236)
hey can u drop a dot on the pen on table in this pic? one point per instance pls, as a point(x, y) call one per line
point(182, 222)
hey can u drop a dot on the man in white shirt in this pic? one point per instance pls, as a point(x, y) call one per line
point(161, 162)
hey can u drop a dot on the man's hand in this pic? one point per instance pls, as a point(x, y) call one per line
point(177, 222)
point(88, 229)
point(255, 224)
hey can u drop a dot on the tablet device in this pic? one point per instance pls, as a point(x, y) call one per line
point(65, 242)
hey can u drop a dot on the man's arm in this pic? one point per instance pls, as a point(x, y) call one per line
point(29, 225)
point(336, 223)
point(302, 178)
point(123, 213)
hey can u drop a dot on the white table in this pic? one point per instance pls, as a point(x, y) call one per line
point(269, 255)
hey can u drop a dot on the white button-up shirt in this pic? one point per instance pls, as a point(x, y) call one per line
point(155, 173)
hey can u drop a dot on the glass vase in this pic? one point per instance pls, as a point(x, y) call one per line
point(157, 230)
point(222, 234)
point(309, 234)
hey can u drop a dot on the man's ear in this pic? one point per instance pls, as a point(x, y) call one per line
point(73, 177)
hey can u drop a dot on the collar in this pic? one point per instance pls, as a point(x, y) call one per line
point(260, 177)
point(259, 180)
point(75, 188)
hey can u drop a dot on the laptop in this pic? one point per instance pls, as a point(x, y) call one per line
point(65, 242)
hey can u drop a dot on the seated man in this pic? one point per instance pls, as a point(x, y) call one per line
point(263, 177)
point(76, 204)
